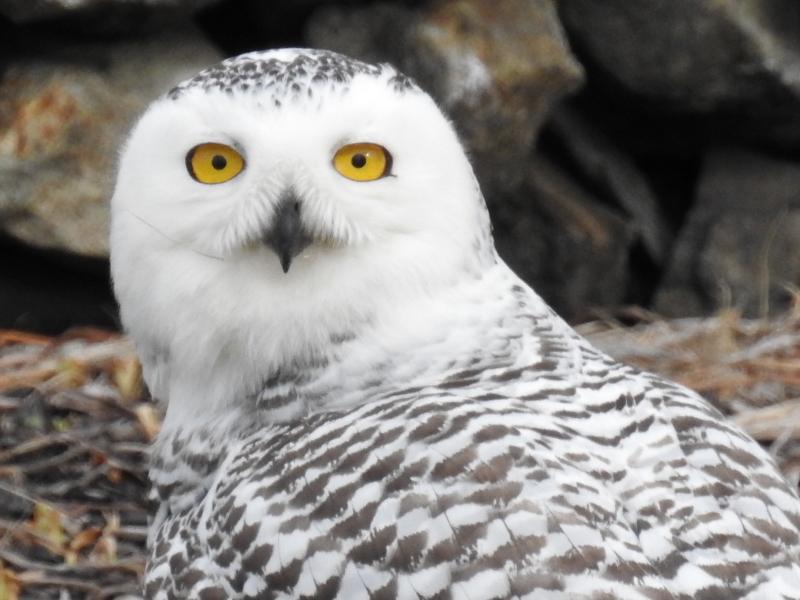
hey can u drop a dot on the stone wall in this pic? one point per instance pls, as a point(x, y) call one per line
point(632, 152)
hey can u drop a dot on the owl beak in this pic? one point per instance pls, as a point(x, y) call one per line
point(286, 237)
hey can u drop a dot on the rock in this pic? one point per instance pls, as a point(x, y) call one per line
point(63, 114)
point(573, 248)
point(738, 59)
point(494, 67)
point(102, 16)
point(740, 246)
point(614, 174)
point(49, 292)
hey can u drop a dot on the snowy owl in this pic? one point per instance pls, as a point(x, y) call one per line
point(365, 402)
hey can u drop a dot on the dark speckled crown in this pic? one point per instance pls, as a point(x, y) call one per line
point(288, 74)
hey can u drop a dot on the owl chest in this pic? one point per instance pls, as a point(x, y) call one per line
point(408, 485)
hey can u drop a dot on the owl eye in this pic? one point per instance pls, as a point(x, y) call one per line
point(214, 163)
point(362, 161)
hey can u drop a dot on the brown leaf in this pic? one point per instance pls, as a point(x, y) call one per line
point(85, 538)
point(114, 475)
point(47, 525)
point(97, 458)
point(126, 373)
point(9, 584)
point(71, 373)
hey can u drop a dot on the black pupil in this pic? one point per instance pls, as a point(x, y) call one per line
point(358, 160)
point(219, 162)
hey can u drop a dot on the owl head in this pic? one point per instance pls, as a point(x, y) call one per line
point(279, 200)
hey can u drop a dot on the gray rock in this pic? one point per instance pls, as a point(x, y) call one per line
point(609, 169)
point(62, 119)
point(738, 58)
point(103, 16)
point(740, 246)
point(495, 67)
point(576, 248)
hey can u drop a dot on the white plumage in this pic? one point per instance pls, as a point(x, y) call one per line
point(398, 415)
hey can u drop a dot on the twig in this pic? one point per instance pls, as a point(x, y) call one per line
point(771, 422)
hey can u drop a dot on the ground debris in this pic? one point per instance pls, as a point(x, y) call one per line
point(75, 429)
point(76, 425)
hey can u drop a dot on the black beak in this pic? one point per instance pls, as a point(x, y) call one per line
point(287, 238)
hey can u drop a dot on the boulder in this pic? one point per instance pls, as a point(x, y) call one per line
point(614, 174)
point(63, 113)
point(495, 67)
point(572, 248)
point(739, 60)
point(740, 246)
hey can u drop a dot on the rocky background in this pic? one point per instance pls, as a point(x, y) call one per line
point(633, 152)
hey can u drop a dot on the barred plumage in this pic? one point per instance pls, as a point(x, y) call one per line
point(437, 432)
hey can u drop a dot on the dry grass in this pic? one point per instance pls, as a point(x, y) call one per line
point(75, 426)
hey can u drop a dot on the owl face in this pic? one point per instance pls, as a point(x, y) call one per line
point(320, 173)
point(286, 203)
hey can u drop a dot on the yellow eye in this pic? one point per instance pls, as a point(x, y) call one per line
point(214, 163)
point(362, 161)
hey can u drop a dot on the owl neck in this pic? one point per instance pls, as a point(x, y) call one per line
point(486, 323)
point(489, 334)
